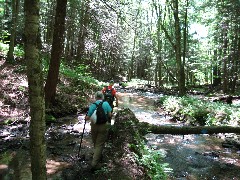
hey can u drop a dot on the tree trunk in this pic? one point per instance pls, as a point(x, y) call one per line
point(84, 21)
point(36, 91)
point(158, 71)
point(216, 71)
point(180, 65)
point(57, 48)
point(131, 71)
point(225, 59)
point(15, 9)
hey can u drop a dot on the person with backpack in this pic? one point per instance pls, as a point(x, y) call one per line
point(99, 127)
point(110, 94)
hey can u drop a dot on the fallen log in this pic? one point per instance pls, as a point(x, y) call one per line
point(182, 130)
point(144, 127)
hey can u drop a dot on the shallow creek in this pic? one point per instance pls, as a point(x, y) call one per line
point(191, 157)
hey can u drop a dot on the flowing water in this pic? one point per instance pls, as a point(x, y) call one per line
point(191, 157)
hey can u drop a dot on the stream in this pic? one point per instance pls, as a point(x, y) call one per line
point(191, 157)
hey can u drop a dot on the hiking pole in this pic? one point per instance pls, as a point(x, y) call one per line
point(81, 138)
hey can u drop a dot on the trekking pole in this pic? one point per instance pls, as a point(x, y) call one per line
point(81, 138)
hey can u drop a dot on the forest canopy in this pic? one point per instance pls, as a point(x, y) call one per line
point(169, 43)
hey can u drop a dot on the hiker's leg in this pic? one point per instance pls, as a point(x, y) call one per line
point(100, 141)
point(94, 132)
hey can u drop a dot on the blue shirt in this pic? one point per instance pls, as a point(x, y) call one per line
point(106, 107)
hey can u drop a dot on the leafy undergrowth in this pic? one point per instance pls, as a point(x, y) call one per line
point(201, 112)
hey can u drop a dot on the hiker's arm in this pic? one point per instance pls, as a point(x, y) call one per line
point(110, 115)
point(89, 112)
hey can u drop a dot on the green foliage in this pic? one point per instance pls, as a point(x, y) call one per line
point(172, 104)
point(45, 63)
point(124, 85)
point(19, 51)
point(161, 100)
point(200, 112)
point(79, 73)
point(8, 121)
point(22, 88)
point(5, 158)
point(80, 70)
point(152, 161)
point(50, 118)
point(102, 170)
point(1, 11)
point(4, 48)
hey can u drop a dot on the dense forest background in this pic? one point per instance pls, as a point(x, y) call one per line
point(178, 44)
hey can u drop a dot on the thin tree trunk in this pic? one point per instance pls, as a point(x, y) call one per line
point(131, 72)
point(15, 9)
point(36, 91)
point(158, 71)
point(216, 71)
point(185, 38)
point(225, 58)
point(84, 21)
point(57, 48)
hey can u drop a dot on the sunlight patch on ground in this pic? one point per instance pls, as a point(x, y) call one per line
point(3, 168)
point(55, 166)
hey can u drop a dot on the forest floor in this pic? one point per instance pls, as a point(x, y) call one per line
point(65, 161)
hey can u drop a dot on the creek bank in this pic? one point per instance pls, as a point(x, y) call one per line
point(63, 142)
point(63, 145)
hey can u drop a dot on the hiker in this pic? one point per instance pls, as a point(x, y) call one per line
point(110, 94)
point(99, 131)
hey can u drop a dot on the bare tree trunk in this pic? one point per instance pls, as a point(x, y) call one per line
point(158, 70)
point(225, 58)
point(216, 71)
point(57, 48)
point(131, 72)
point(36, 90)
point(84, 21)
point(185, 38)
point(180, 65)
point(15, 9)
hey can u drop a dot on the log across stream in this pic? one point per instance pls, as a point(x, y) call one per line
point(192, 152)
